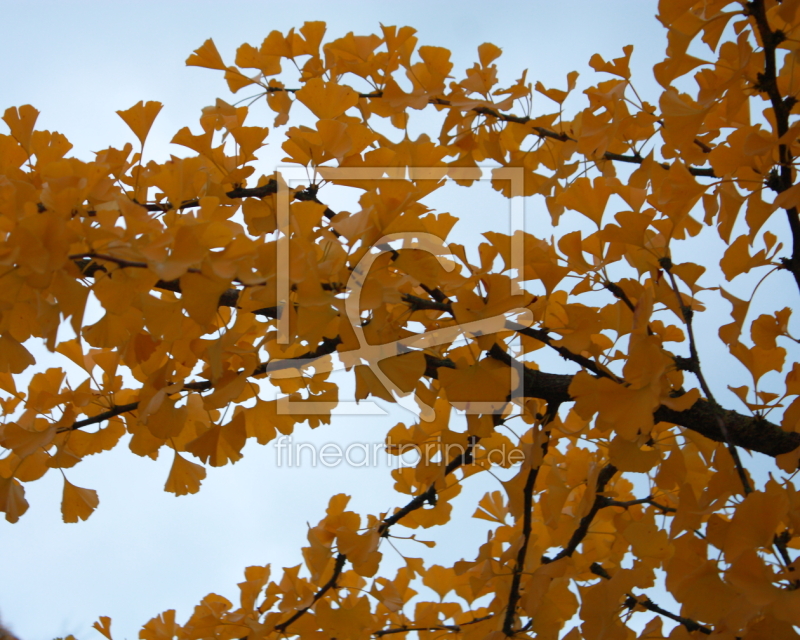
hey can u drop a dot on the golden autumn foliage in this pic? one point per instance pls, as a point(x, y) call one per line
point(212, 284)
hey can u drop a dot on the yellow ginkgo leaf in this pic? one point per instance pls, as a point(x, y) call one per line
point(140, 118)
point(184, 476)
point(221, 443)
point(206, 56)
point(586, 197)
point(77, 503)
point(14, 358)
point(12, 499)
point(21, 122)
point(327, 100)
point(162, 627)
point(103, 625)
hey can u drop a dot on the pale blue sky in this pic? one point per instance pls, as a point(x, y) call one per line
point(145, 551)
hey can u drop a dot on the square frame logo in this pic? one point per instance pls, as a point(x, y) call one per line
point(370, 354)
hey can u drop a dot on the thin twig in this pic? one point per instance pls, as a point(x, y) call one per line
point(327, 347)
point(648, 500)
point(605, 475)
point(691, 625)
point(527, 527)
point(330, 584)
point(421, 304)
point(781, 109)
point(429, 495)
point(455, 628)
point(632, 602)
point(687, 313)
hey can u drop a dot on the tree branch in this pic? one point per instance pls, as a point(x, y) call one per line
point(327, 347)
point(271, 188)
point(429, 496)
point(101, 417)
point(691, 625)
point(587, 363)
point(456, 628)
point(421, 304)
point(753, 433)
point(630, 503)
point(631, 602)
point(330, 584)
point(688, 314)
point(703, 172)
point(605, 475)
point(781, 108)
point(527, 527)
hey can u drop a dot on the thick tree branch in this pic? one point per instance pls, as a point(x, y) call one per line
point(753, 433)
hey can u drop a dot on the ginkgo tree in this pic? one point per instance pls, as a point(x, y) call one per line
point(214, 284)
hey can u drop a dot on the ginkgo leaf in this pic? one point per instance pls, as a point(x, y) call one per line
point(404, 370)
point(617, 67)
point(206, 56)
point(755, 521)
point(630, 456)
point(140, 118)
point(162, 627)
point(184, 476)
point(647, 539)
point(492, 507)
point(440, 579)
point(327, 100)
point(199, 297)
point(12, 499)
point(21, 121)
point(103, 625)
point(77, 503)
point(14, 357)
point(586, 197)
point(221, 443)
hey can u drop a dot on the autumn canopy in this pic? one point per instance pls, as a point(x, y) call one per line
point(179, 292)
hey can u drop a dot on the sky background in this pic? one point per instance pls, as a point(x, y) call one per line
point(145, 551)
